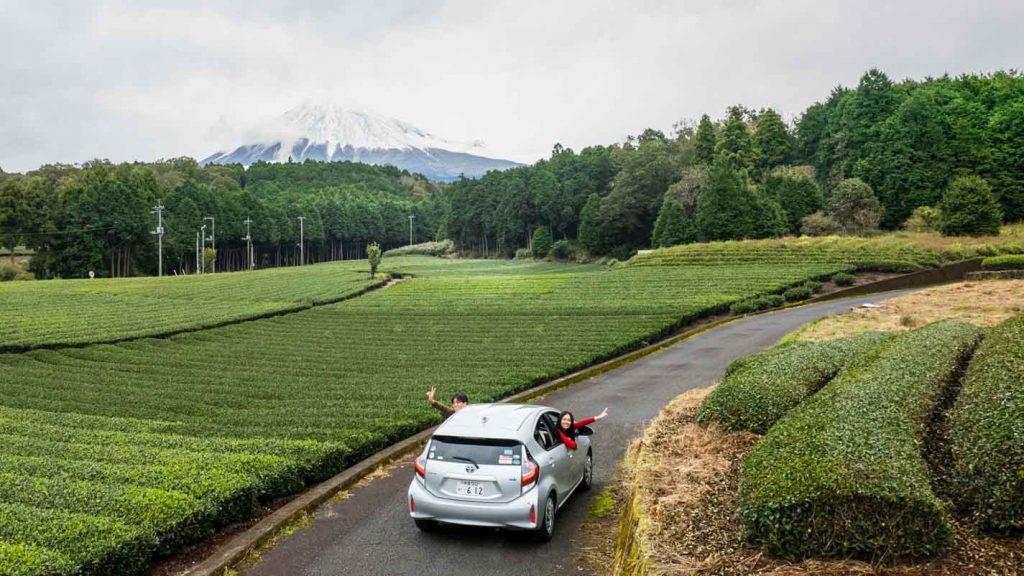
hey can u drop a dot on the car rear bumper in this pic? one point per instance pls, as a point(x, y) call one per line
point(514, 514)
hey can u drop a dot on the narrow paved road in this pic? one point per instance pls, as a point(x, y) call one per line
point(371, 533)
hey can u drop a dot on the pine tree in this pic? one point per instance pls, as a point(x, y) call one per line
point(771, 142)
point(726, 208)
point(797, 192)
point(541, 241)
point(704, 142)
point(736, 144)
point(593, 235)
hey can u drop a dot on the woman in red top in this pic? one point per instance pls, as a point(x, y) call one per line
point(568, 428)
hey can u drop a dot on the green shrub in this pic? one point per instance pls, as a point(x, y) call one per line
point(759, 389)
point(923, 219)
point(424, 249)
point(563, 250)
point(744, 307)
point(797, 293)
point(969, 208)
point(28, 560)
point(843, 473)
point(987, 429)
point(373, 256)
point(8, 272)
point(844, 279)
point(1007, 262)
point(814, 286)
point(818, 224)
point(524, 254)
point(541, 241)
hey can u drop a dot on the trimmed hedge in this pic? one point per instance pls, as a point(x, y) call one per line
point(757, 304)
point(28, 560)
point(423, 249)
point(759, 389)
point(844, 279)
point(1007, 262)
point(987, 429)
point(797, 293)
point(843, 473)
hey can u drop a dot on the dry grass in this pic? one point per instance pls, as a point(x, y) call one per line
point(984, 304)
point(687, 480)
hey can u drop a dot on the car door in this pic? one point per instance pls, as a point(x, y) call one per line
point(554, 462)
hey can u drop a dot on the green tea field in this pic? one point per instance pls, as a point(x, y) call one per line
point(114, 454)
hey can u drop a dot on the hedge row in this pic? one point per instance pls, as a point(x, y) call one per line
point(996, 275)
point(28, 560)
point(423, 249)
point(1007, 262)
point(760, 389)
point(987, 429)
point(843, 473)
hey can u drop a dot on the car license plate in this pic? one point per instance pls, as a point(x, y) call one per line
point(469, 488)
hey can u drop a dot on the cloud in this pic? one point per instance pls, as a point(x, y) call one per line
point(143, 80)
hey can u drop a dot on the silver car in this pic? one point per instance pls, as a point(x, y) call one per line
point(501, 466)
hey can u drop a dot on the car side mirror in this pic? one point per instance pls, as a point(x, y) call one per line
point(585, 431)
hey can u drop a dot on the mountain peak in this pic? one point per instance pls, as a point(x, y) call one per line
point(327, 131)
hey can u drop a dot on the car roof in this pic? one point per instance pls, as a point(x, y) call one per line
point(499, 421)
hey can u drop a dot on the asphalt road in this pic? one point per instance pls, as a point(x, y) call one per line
point(371, 533)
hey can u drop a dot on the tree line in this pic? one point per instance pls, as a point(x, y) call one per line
point(941, 153)
point(866, 157)
point(98, 216)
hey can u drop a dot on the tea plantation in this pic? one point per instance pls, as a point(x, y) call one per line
point(853, 441)
point(55, 313)
point(114, 454)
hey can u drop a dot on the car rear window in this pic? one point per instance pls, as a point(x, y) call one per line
point(483, 452)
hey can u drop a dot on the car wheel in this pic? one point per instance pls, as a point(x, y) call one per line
point(588, 473)
point(546, 529)
point(425, 525)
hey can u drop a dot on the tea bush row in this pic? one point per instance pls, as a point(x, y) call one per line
point(843, 473)
point(987, 429)
point(759, 389)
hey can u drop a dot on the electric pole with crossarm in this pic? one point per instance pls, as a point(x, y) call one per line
point(159, 211)
point(248, 241)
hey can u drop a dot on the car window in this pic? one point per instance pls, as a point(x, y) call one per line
point(479, 451)
point(545, 433)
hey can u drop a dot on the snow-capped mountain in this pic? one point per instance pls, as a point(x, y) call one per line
point(327, 132)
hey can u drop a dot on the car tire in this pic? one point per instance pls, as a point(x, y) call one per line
point(546, 529)
point(588, 473)
point(425, 525)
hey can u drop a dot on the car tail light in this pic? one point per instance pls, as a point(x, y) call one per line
point(533, 514)
point(421, 466)
point(412, 504)
point(530, 473)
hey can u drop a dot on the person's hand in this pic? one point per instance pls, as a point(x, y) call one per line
point(603, 414)
point(430, 393)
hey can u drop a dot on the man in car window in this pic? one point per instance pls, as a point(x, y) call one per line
point(459, 401)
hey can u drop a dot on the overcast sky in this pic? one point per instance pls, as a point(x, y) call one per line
point(147, 80)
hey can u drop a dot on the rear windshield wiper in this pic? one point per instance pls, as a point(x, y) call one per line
point(464, 459)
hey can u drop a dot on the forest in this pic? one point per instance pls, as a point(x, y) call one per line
point(942, 153)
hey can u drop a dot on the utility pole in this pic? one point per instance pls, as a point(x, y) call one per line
point(197, 252)
point(202, 253)
point(159, 211)
point(213, 241)
point(302, 247)
point(248, 241)
point(410, 228)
